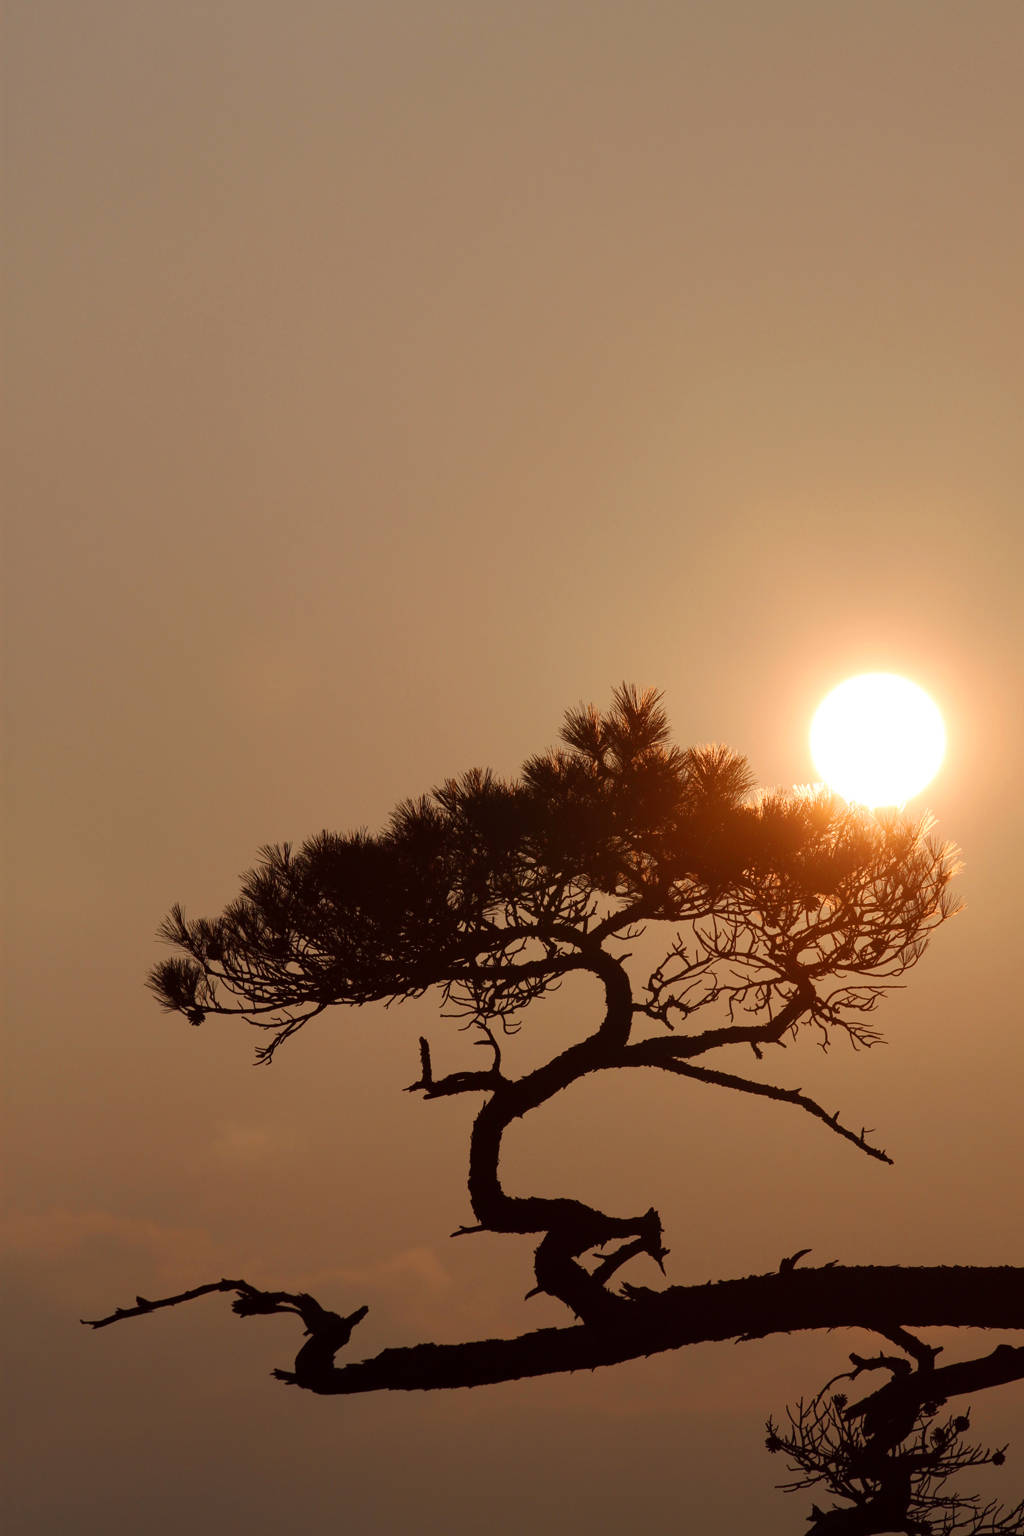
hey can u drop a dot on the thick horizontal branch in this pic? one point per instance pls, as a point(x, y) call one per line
point(650, 1322)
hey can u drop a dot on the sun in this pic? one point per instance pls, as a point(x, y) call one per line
point(877, 739)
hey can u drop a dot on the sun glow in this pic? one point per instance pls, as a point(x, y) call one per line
point(877, 739)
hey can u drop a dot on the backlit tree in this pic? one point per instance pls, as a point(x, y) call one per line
point(780, 913)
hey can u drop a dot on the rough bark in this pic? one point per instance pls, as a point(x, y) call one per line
point(648, 1323)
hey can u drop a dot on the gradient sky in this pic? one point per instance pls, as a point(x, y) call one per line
point(384, 379)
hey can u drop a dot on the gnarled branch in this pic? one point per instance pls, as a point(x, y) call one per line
point(327, 1332)
point(881, 1299)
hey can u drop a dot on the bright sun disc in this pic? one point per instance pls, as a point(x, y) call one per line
point(877, 739)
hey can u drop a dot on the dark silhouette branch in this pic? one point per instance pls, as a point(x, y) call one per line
point(759, 1305)
point(327, 1332)
point(142, 1305)
point(454, 1082)
point(938, 1384)
point(880, 1299)
point(765, 1091)
point(924, 1354)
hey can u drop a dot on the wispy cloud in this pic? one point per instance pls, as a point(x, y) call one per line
point(80, 1253)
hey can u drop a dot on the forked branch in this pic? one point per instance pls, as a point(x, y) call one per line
point(879, 1299)
point(326, 1331)
point(891, 1457)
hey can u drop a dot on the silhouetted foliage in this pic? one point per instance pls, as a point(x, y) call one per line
point(785, 912)
point(893, 1470)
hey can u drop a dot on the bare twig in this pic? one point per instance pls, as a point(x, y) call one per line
point(454, 1082)
point(766, 1091)
point(142, 1305)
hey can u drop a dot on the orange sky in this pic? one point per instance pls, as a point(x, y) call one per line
point(386, 378)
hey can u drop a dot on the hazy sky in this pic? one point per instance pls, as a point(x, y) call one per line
point(384, 379)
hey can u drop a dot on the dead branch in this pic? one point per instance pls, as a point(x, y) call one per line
point(326, 1331)
point(879, 1299)
point(142, 1305)
point(762, 1090)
